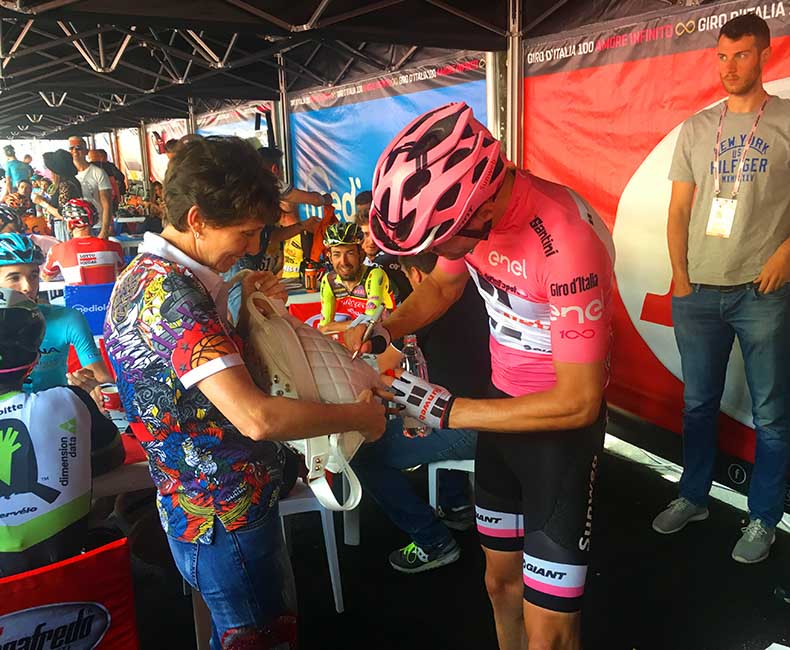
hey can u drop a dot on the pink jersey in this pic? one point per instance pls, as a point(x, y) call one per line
point(545, 275)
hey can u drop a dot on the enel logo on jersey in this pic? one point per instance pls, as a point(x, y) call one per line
point(515, 267)
point(592, 312)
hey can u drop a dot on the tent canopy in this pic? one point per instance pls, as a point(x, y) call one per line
point(94, 65)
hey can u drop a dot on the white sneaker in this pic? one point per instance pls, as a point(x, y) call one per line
point(676, 515)
point(755, 543)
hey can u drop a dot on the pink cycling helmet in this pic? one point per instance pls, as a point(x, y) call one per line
point(432, 178)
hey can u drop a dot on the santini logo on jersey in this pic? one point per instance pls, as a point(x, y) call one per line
point(546, 239)
point(579, 284)
point(591, 312)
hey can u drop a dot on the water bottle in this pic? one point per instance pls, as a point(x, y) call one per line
point(414, 362)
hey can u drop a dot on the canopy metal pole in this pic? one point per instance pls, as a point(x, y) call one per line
point(515, 85)
point(284, 121)
point(191, 120)
point(144, 159)
point(496, 94)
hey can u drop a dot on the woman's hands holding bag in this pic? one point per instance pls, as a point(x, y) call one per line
point(264, 282)
point(373, 415)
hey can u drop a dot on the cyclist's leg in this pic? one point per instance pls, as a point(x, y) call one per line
point(559, 488)
point(500, 524)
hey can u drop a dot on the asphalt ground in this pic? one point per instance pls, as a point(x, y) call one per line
point(644, 590)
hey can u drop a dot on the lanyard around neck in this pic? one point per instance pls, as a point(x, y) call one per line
point(738, 174)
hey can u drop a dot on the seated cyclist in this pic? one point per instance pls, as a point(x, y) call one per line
point(47, 493)
point(542, 261)
point(83, 259)
point(351, 288)
point(66, 327)
point(455, 347)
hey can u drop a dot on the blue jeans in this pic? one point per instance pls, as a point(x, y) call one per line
point(379, 466)
point(246, 582)
point(706, 323)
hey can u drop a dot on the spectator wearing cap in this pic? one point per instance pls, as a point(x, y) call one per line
point(96, 185)
point(83, 259)
point(15, 170)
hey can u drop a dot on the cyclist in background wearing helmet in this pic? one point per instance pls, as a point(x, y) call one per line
point(83, 259)
point(47, 493)
point(542, 261)
point(9, 220)
point(19, 270)
point(351, 288)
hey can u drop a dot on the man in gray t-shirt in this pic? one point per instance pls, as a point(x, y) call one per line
point(729, 243)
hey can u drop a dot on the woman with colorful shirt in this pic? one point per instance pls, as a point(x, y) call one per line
point(209, 432)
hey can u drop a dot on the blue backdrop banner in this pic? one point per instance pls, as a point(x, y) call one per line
point(338, 136)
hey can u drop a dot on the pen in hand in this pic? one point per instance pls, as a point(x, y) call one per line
point(369, 330)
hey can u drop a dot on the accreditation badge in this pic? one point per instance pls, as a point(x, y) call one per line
point(722, 216)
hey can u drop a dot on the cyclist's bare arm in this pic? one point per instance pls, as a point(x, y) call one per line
point(573, 402)
point(429, 300)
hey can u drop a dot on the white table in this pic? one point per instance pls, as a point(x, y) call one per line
point(129, 244)
point(129, 219)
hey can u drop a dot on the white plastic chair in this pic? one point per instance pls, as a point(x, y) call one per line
point(433, 469)
point(301, 499)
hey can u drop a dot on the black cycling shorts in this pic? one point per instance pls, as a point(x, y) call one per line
point(534, 493)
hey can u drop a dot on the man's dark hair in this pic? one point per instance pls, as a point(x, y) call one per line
point(271, 156)
point(223, 177)
point(424, 261)
point(9, 151)
point(364, 198)
point(170, 145)
point(748, 25)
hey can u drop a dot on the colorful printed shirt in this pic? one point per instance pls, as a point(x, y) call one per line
point(545, 274)
point(373, 290)
point(164, 335)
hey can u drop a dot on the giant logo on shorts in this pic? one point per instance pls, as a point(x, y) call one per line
point(72, 626)
point(643, 270)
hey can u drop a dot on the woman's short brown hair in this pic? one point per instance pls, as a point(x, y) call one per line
point(224, 178)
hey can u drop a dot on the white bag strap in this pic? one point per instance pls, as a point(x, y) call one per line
point(317, 450)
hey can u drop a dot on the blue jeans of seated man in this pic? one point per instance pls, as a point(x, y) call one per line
point(706, 322)
point(379, 466)
point(244, 577)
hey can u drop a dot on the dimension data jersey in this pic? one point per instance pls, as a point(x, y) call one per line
point(45, 467)
point(545, 274)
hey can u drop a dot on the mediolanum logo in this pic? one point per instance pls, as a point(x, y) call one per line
point(89, 309)
point(76, 626)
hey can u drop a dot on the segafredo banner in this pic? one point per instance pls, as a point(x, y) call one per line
point(604, 108)
point(338, 134)
point(81, 603)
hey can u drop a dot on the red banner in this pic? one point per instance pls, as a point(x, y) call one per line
point(604, 109)
point(81, 603)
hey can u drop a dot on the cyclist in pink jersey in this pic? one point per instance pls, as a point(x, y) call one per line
point(542, 261)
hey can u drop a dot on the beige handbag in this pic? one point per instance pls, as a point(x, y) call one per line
point(290, 359)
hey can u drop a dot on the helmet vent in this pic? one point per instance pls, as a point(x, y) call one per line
point(479, 169)
point(449, 197)
point(415, 183)
point(404, 228)
point(456, 157)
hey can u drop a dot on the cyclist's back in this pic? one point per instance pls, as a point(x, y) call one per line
point(85, 260)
